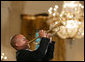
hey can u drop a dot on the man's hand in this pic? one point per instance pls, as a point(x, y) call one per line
point(42, 33)
point(48, 36)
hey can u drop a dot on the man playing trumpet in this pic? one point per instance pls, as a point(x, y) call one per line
point(45, 51)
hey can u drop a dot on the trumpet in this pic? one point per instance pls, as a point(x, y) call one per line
point(55, 26)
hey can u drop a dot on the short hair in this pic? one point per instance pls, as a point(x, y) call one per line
point(12, 40)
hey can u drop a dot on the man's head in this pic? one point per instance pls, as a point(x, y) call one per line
point(19, 42)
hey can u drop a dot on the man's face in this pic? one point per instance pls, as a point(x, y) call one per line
point(21, 40)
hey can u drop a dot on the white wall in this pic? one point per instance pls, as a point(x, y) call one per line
point(75, 51)
point(10, 25)
point(35, 7)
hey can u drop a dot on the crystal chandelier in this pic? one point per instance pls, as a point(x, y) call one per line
point(72, 18)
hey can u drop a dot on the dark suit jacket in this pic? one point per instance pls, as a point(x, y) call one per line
point(43, 53)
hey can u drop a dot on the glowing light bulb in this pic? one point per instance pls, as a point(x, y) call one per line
point(56, 6)
point(5, 57)
point(3, 54)
point(54, 14)
point(83, 33)
point(61, 15)
point(56, 22)
point(64, 23)
point(50, 10)
point(55, 9)
point(1, 57)
point(82, 6)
